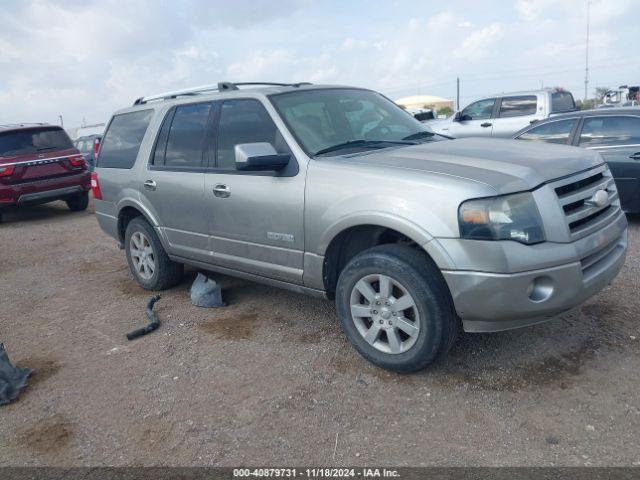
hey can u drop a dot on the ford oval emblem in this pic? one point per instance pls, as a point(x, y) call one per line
point(599, 198)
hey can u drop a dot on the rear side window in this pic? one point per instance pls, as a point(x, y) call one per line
point(33, 140)
point(122, 140)
point(518, 106)
point(562, 102)
point(552, 132)
point(610, 130)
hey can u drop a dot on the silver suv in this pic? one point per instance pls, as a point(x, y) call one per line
point(337, 192)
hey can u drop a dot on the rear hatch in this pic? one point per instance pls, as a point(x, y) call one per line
point(37, 153)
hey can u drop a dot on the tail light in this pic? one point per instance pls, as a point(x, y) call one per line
point(95, 186)
point(77, 161)
point(96, 148)
point(7, 170)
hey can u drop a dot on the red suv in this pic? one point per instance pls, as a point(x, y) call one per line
point(39, 164)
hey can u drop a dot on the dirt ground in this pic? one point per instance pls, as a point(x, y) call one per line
point(271, 380)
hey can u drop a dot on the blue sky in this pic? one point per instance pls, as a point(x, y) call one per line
point(84, 59)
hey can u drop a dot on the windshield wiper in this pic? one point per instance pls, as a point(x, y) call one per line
point(418, 135)
point(363, 143)
point(42, 149)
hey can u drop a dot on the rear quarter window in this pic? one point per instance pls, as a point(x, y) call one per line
point(518, 106)
point(122, 140)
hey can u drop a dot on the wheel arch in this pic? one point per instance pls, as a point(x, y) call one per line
point(352, 237)
point(127, 211)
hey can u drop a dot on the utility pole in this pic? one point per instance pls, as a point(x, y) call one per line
point(457, 93)
point(61, 122)
point(586, 58)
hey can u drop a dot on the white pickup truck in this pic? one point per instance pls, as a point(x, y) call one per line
point(504, 114)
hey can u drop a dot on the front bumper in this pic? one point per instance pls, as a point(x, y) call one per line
point(489, 302)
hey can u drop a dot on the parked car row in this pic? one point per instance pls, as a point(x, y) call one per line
point(338, 192)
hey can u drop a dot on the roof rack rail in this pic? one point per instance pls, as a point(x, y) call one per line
point(218, 87)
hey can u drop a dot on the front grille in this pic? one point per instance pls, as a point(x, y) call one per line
point(574, 194)
point(592, 263)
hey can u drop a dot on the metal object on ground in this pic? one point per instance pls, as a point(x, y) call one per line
point(12, 378)
point(205, 292)
point(153, 324)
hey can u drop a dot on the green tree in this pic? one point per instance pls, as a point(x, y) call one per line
point(445, 111)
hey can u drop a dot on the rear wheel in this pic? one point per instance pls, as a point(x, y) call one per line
point(79, 202)
point(396, 308)
point(149, 263)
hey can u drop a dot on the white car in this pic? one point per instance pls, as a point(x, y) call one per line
point(505, 114)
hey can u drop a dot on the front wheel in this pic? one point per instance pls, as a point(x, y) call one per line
point(149, 263)
point(395, 308)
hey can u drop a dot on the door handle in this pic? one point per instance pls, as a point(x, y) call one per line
point(635, 156)
point(485, 124)
point(150, 185)
point(221, 191)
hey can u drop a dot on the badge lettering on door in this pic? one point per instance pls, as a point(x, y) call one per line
point(282, 237)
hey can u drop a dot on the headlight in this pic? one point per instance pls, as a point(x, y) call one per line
point(512, 217)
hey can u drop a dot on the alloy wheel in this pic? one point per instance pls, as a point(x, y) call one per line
point(142, 255)
point(385, 313)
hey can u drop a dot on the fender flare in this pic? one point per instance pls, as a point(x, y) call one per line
point(402, 225)
point(148, 216)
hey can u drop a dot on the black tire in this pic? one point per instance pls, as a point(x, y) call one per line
point(167, 273)
point(79, 202)
point(421, 278)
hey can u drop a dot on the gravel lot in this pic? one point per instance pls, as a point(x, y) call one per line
point(270, 379)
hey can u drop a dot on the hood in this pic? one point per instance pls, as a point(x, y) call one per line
point(505, 165)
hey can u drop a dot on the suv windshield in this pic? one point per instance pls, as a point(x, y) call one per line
point(33, 140)
point(337, 119)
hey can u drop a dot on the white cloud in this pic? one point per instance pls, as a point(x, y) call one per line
point(477, 44)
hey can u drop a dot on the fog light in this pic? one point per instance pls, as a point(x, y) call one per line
point(540, 289)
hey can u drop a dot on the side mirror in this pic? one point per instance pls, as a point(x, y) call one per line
point(457, 117)
point(259, 157)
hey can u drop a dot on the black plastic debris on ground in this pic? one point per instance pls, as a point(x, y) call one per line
point(154, 321)
point(12, 378)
